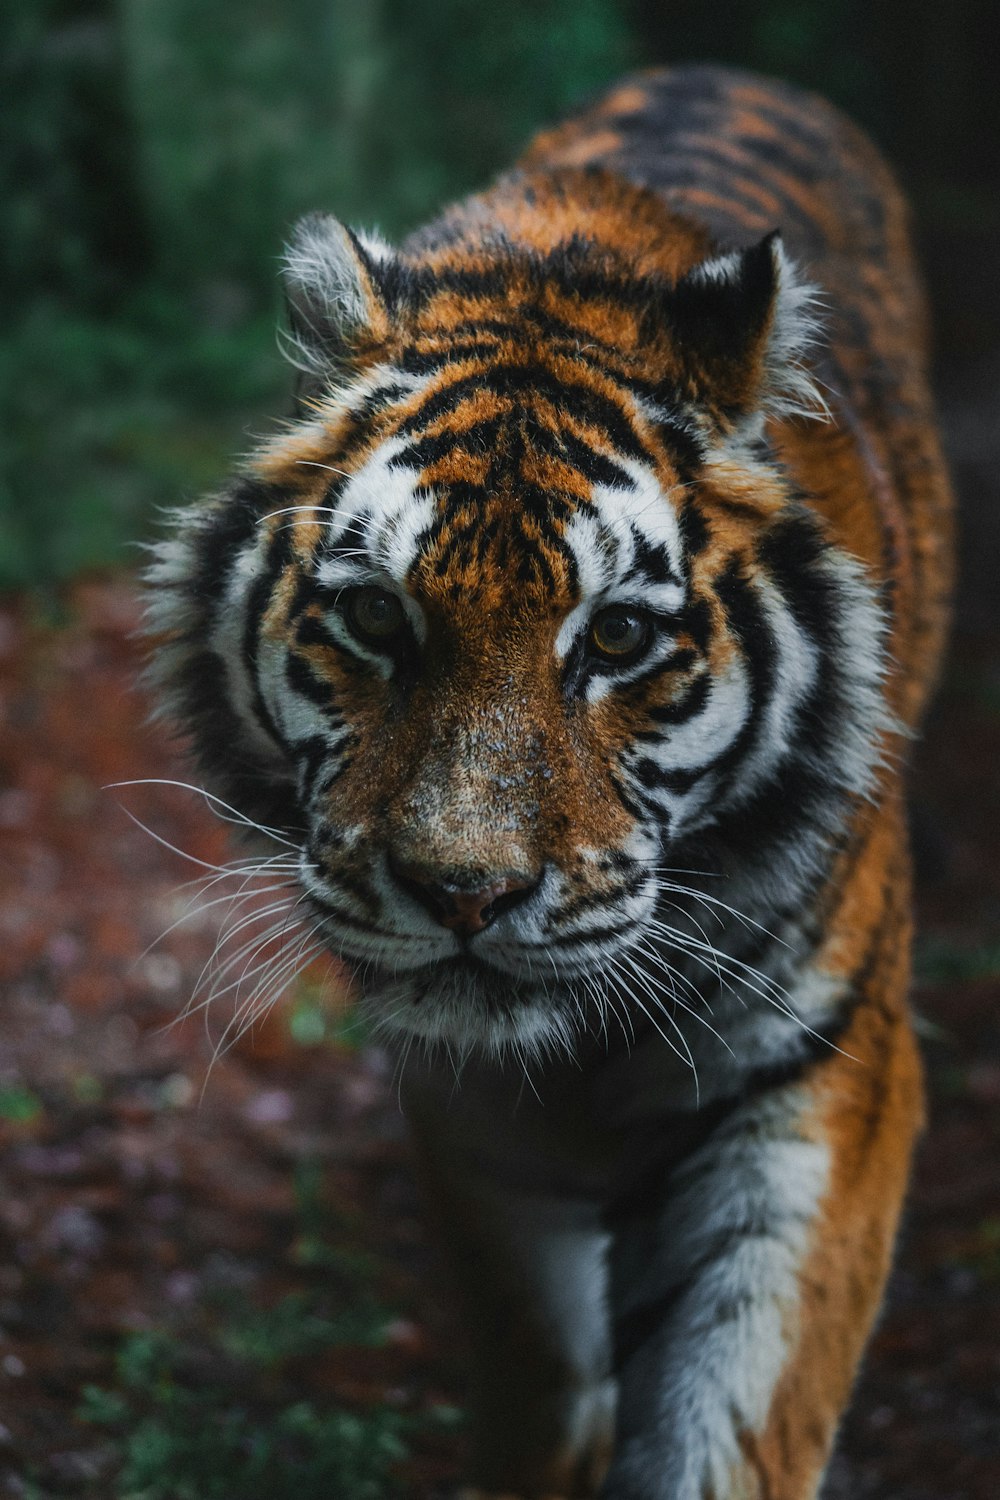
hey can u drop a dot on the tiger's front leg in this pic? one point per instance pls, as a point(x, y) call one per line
point(744, 1295)
point(699, 1340)
point(527, 1255)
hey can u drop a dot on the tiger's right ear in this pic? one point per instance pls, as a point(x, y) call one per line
point(336, 307)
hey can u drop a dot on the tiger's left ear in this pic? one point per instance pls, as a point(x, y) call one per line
point(335, 288)
point(742, 324)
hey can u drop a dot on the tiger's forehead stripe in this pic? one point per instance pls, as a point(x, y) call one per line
point(377, 521)
point(456, 457)
point(514, 393)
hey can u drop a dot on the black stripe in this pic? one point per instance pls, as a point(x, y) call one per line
point(278, 556)
point(578, 267)
point(635, 690)
point(533, 566)
point(598, 468)
point(376, 401)
point(312, 630)
point(355, 886)
point(748, 622)
point(652, 563)
point(244, 778)
point(696, 621)
point(782, 156)
point(792, 552)
point(514, 380)
point(598, 935)
point(302, 679)
point(313, 758)
point(691, 702)
point(806, 793)
point(693, 527)
point(229, 527)
point(593, 899)
point(633, 804)
point(678, 779)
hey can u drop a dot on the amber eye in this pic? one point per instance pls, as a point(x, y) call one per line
point(617, 632)
point(374, 615)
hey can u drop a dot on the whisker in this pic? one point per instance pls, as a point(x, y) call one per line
point(271, 963)
point(520, 1052)
point(312, 463)
point(676, 999)
point(685, 1055)
point(235, 815)
point(166, 844)
point(719, 962)
point(250, 868)
point(708, 900)
point(751, 979)
point(709, 945)
point(193, 911)
point(215, 970)
point(264, 996)
point(293, 968)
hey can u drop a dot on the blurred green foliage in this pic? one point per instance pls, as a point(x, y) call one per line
point(19, 1105)
point(156, 151)
point(181, 1441)
point(208, 1406)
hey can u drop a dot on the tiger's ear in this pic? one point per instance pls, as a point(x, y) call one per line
point(336, 305)
point(743, 323)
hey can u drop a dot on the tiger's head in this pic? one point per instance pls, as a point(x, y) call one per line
point(521, 616)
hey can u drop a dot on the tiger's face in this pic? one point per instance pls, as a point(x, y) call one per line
point(520, 619)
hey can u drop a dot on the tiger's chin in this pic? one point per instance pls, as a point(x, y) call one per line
point(465, 1006)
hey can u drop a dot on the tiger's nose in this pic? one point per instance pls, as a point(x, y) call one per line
point(463, 910)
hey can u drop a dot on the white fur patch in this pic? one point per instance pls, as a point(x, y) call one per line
point(713, 730)
point(733, 1237)
point(328, 287)
point(602, 537)
point(645, 507)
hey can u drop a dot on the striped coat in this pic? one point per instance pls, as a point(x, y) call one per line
point(572, 634)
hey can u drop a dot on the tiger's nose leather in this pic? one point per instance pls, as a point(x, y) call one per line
point(461, 910)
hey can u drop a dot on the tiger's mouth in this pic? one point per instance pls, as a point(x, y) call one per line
point(483, 983)
point(505, 990)
point(465, 1003)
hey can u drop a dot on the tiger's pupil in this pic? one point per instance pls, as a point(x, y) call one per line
point(618, 632)
point(374, 614)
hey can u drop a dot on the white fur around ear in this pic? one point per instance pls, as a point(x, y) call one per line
point(756, 301)
point(790, 387)
point(334, 302)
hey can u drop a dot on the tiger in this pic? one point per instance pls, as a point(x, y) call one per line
point(573, 631)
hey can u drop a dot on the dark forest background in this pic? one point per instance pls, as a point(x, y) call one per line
point(154, 153)
point(213, 1280)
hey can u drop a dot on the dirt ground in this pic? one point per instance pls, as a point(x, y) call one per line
point(129, 1184)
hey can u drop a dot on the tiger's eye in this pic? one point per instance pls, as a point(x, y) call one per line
point(616, 632)
point(374, 615)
